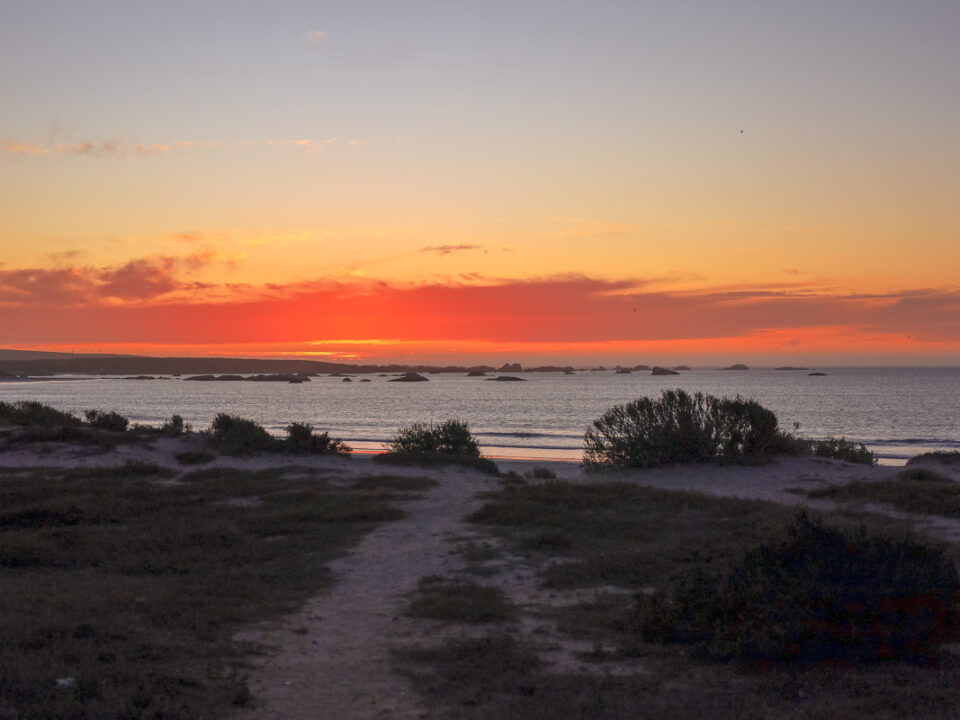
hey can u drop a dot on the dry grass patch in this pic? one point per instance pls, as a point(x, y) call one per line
point(121, 594)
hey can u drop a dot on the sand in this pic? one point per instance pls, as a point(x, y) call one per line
point(332, 659)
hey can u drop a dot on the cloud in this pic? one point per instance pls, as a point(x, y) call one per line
point(140, 279)
point(447, 249)
point(16, 148)
point(165, 300)
point(315, 37)
point(116, 147)
point(578, 228)
point(119, 147)
point(309, 146)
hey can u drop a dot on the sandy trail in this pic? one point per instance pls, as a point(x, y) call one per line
point(332, 659)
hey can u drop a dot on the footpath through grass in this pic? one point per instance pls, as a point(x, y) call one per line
point(121, 590)
point(641, 540)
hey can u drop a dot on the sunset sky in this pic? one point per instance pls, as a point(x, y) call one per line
point(546, 181)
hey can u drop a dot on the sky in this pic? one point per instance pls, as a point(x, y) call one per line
point(550, 182)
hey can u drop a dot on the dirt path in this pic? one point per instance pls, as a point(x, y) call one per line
point(331, 659)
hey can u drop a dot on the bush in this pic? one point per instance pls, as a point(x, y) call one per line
point(175, 426)
point(301, 439)
point(943, 456)
point(842, 449)
point(680, 427)
point(435, 459)
point(30, 412)
point(540, 473)
point(112, 421)
point(820, 593)
point(452, 437)
point(238, 436)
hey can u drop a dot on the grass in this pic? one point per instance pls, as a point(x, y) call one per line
point(134, 588)
point(460, 601)
point(498, 676)
point(642, 540)
point(622, 534)
point(913, 490)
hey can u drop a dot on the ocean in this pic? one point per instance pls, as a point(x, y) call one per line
point(896, 412)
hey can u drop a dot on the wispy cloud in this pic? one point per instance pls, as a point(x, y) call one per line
point(100, 148)
point(119, 147)
point(308, 146)
point(447, 249)
point(315, 37)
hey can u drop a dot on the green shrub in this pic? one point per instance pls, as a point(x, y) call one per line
point(452, 437)
point(680, 427)
point(175, 426)
point(842, 449)
point(238, 436)
point(820, 593)
point(302, 439)
point(31, 412)
point(112, 421)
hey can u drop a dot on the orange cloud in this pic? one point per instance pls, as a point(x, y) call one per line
point(137, 280)
point(155, 301)
point(447, 249)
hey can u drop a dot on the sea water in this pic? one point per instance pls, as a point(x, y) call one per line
point(896, 412)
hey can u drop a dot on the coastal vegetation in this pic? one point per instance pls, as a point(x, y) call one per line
point(706, 607)
point(442, 598)
point(680, 427)
point(447, 443)
point(822, 592)
point(121, 594)
point(842, 449)
point(914, 490)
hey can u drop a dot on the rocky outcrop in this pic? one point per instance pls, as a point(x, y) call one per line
point(409, 377)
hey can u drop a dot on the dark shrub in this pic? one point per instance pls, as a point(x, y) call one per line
point(820, 593)
point(680, 427)
point(435, 459)
point(301, 439)
point(842, 449)
point(923, 475)
point(112, 421)
point(452, 437)
point(237, 436)
point(540, 473)
point(30, 412)
point(175, 426)
point(943, 456)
